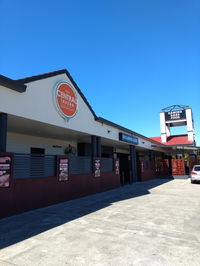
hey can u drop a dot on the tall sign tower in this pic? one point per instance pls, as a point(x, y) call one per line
point(174, 116)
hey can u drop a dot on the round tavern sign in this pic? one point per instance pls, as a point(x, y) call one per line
point(65, 100)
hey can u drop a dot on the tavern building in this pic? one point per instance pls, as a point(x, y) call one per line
point(53, 147)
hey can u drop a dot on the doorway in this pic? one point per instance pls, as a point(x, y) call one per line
point(124, 168)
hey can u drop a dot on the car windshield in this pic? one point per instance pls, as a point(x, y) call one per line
point(197, 168)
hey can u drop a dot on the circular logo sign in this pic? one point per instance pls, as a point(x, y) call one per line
point(66, 100)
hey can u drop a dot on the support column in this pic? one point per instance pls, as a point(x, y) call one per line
point(3, 131)
point(168, 132)
point(94, 146)
point(133, 164)
point(152, 157)
point(190, 125)
point(98, 146)
point(163, 127)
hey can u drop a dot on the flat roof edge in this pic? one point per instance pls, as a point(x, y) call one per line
point(103, 120)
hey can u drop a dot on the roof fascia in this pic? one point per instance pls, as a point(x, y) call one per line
point(103, 120)
point(12, 84)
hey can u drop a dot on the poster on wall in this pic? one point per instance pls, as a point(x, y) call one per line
point(97, 167)
point(63, 169)
point(117, 166)
point(5, 171)
point(178, 167)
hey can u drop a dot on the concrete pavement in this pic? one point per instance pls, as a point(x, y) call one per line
point(150, 223)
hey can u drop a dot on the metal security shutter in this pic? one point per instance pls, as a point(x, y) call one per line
point(21, 166)
point(34, 166)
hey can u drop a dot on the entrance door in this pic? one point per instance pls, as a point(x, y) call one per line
point(124, 168)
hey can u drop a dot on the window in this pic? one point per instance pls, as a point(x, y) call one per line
point(37, 151)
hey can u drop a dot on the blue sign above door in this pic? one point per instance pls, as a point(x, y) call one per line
point(128, 138)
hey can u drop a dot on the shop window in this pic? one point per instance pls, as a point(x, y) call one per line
point(37, 151)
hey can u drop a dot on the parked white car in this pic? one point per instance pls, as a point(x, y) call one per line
point(195, 174)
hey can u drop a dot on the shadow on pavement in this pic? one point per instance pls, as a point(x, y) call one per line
point(22, 226)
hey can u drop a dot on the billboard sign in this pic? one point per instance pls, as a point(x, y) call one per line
point(175, 115)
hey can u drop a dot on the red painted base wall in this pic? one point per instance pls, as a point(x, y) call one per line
point(148, 174)
point(146, 170)
point(32, 193)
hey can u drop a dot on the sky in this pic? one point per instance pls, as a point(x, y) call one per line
point(130, 58)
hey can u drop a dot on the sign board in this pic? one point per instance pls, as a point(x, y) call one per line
point(62, 168)
point(128, 138)
point(175, 115)
point(5, 170)
point(97, 167)
point(66, 100)
point(116, 166)
point(178, 167)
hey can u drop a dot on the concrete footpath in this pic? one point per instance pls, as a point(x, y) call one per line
point(150, 223)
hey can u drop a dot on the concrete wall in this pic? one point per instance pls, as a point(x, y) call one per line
point(146, 170)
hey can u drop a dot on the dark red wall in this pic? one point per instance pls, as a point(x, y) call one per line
point(32, 193)
point(178, 167)
point(148, 174)
point(146, 170)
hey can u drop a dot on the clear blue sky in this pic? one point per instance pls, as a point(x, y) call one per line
point(130, 58)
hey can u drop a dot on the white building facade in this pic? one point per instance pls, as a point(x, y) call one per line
point(46, 116)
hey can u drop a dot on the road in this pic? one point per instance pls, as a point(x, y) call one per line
point(150, 223)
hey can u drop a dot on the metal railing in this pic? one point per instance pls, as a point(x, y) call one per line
point(106, 165)
point(40, 165)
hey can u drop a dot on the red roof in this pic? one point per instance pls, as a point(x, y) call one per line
point(174, 140)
